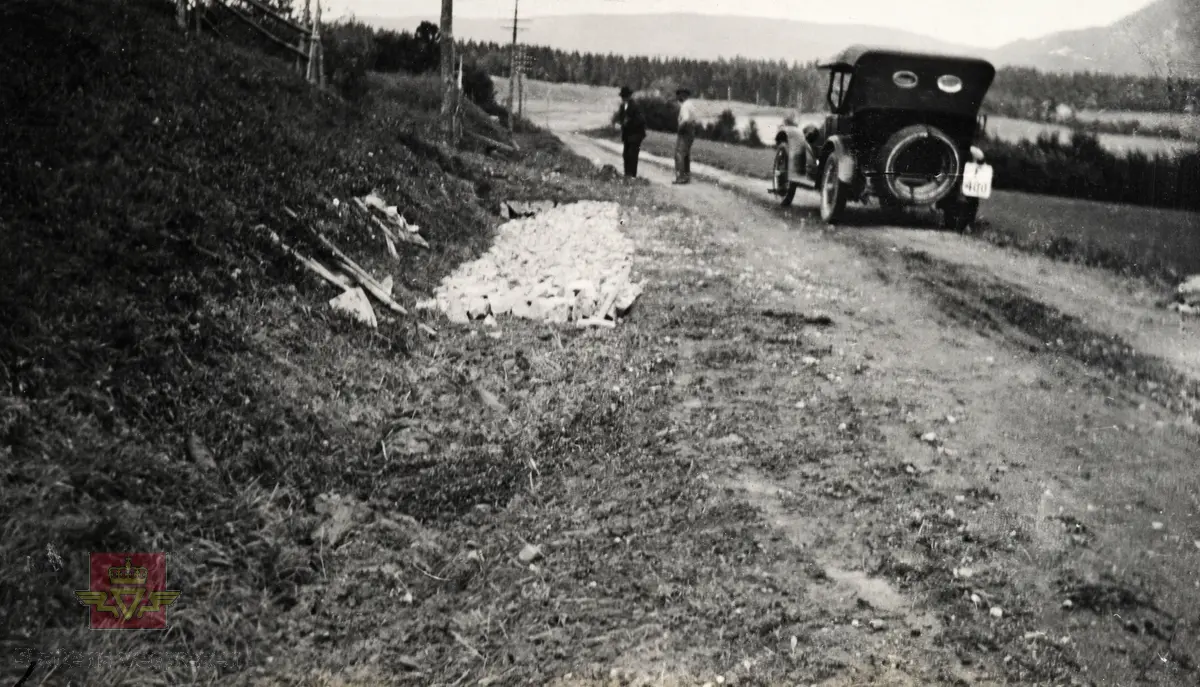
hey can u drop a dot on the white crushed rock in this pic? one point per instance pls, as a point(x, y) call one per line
point(1188, 297)
point(1189, 290)
point(562, 265)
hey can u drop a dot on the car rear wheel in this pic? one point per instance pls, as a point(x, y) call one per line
point(784, 188)
point(833, 192)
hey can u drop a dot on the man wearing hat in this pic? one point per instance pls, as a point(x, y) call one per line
point(633, 130)
point(686, 136)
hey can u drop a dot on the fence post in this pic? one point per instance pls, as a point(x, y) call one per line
point(305, 39)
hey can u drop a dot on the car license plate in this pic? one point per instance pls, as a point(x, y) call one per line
point(977, 180)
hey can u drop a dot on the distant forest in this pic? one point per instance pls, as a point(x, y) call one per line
point(1017, 92)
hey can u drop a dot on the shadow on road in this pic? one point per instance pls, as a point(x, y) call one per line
point(871, 217)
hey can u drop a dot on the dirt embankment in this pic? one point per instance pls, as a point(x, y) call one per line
point(170, 382)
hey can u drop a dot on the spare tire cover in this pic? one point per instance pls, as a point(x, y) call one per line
point(920, 164)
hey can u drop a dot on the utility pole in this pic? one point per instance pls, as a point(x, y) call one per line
point(305, 39)
point(521, 92)
point(524, 66)
point(512, 70)
point(446, 36)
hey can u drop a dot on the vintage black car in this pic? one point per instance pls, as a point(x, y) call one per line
point(900, 129)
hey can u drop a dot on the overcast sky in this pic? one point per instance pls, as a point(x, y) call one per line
point(982, 23)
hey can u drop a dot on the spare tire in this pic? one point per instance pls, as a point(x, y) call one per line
point(920, 165)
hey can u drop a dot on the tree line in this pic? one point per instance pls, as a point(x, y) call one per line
point(1017, 91)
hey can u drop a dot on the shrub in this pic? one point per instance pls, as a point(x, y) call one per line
point(415, 53)
point(724, 129)
point(479, 87)
point(1082, 168)
point(349, 55)
point(661, 114)
point(753, 138)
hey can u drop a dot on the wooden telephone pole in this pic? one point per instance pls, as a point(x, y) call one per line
point(450, 94)
point(524, 66)
point(512, 70)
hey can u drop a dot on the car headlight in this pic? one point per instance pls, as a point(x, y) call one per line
point(976, 154)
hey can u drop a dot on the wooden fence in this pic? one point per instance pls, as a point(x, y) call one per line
point(299, 39)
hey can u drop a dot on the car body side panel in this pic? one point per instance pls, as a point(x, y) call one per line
point(836, 145)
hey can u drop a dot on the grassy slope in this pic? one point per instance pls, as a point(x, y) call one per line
point(1138, 240)
point(140, 307)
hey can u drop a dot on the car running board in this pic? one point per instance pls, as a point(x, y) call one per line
point(800, 184)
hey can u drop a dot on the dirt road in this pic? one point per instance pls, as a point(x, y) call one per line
point(1013, 493)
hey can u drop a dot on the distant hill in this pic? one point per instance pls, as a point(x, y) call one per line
point(1164, 35)
point(696, 36)
point(1158, 39)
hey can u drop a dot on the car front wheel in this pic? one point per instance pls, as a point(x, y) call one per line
point(833, 192)
point(784, 188)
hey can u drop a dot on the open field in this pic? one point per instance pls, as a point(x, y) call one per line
point(592, 106)
point(1179, 120)
point(1015, 130)
point(1145, 241)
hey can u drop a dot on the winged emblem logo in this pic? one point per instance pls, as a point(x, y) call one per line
point(128, 591)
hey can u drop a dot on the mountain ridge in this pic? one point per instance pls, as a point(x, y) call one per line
point(690, 36)
point(1161, 38)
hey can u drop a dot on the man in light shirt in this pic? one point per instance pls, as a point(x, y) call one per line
point(688, 124)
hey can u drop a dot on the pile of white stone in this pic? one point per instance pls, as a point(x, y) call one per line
point(1187, 296)
point(569, 263)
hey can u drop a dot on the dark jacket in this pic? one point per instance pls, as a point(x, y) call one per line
point(633, 123)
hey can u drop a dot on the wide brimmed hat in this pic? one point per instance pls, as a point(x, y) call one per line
point(626, 91)
point(684, 90)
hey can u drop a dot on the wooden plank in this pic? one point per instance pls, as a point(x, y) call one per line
point(311, 264)
point(211, 26)
point(497, 144)
point(373, 287)
point(253, 24)
point(392, 233)
point(278, 17)
point(362, 276)
point(403, 236)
